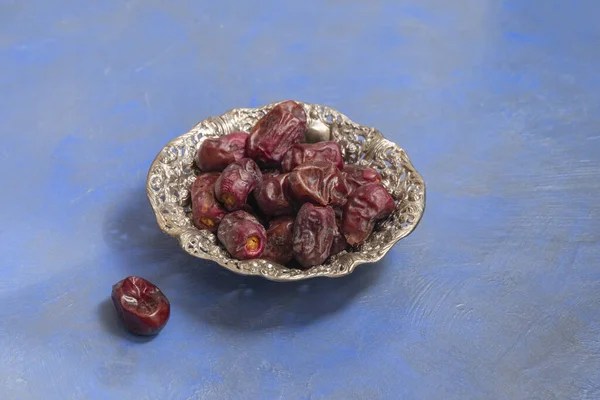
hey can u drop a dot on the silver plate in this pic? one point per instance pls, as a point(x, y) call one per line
point(172, 174)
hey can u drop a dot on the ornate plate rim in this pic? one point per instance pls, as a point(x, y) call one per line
point(351, 263)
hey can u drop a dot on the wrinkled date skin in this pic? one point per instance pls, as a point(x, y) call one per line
point(141, 305)
point(206, 211)
point(359, 175)
point(318, 182)
point(301, 153)
point(279, 240)
point(236, 182)
point(339, 240)
point(314, 230)
point(215, 154)
point(275, 133)
point(272, 197)
point(365, 206)
point(242, 235)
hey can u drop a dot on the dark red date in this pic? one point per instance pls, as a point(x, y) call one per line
point(314, 230)
point(215, 154)
point(279, 240)
point(275, 133)
point(301, 153)
point(318, 182)
point(272, 197)
point(206, 211)
point(141, 305)
point(365, 206)
point(359, 175)
point(339, 240)
point(236, 182)
point(242, 235)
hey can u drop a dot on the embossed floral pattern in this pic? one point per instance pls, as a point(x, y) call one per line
point(173, 172)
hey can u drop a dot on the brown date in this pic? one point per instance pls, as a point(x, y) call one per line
point(318, 182)
point(206, 211)
point(339, 240)
point(215, 154)
point(314, 230)
point(141, 305)
point(275, 133)
point(301, 153)
point(279, 240)
point(242, 235)
point(365, 206)
point(359, 175)
point(271, 196)
point(236, 182)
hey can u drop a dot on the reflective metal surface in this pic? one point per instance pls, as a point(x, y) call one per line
point(172, 174)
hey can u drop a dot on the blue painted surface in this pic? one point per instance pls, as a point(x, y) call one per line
point(496, 294)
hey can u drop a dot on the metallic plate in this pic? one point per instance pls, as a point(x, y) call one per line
point(172, 174)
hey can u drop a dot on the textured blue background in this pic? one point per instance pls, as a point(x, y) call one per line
point(496, 294)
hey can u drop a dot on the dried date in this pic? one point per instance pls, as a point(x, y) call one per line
point(318, 182)
point(275, 133)
point(314, 230)
point(236, 182)
point(365, 206)
point(215, 154)
point(359, 175)
point(301, 153)
point(242, 235)
point(206, 211)
point(141, 305)
point(279, 240)
point(339, 240)
point(272, 197)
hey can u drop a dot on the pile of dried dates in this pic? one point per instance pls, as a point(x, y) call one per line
point(270, 195)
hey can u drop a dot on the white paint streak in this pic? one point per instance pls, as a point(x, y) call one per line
point(154, 60)
point(76, 199)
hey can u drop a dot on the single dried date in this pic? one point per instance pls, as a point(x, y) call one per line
point(206, 211)
point(314, 231)
point(301, 153)
point(359, 175)
point(271, 196)
point(279, 240)
point(365, 206)
point(275, 133)
point(215, 154)
point(141, 305)
point(318, 182)
point(236, 182)
point(242, 235)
